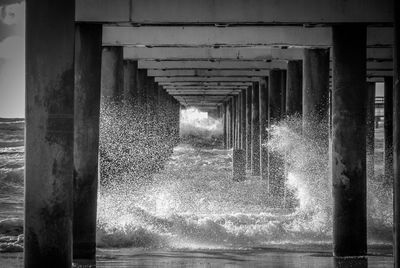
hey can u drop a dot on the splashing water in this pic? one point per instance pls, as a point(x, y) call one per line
point(192, 202)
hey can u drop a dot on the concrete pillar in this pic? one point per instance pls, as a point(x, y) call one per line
point(130, 77)
point(255, 130)
point(370, 129)
point(239, 164)
point(315, 88)
point(248, 128)
point(238, 120)
point(396, 135)
point(49, 133)
point(263, 128)
point(294, 91)
point(234, 122)
point(243, 121)
point(229, 121)
point(388, 127)
point(112, 72)
point(224, 117)
point(276, 163)
point(349, 140)
point(283, 92)
point(141, 87)
point(86, 139)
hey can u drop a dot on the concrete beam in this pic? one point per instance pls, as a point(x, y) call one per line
point(234, 11)
point(212, 65)
point(206, 73)
point(232, 92)
point(233, 36)
point(234, 53)
point(207, 53)
point(204, 83)
point(234, 65)
point(206, 79)
point(238, 73)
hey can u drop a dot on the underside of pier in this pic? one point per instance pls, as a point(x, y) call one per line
point(249, 62)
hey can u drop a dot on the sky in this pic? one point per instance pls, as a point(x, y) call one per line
point(12, 60)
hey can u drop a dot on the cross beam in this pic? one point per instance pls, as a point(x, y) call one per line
point(234, 53)
point(193, 12)
point(195, 36)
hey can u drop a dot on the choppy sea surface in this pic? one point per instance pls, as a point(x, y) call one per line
point(193, 210)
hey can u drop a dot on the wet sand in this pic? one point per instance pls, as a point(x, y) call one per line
point(263, 257)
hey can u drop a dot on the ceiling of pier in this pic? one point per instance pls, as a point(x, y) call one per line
point(205, 51)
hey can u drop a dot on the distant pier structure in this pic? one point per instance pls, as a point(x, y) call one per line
point(251, 62)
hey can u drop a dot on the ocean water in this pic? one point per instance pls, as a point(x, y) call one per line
point(192, 204)
point(11, 184)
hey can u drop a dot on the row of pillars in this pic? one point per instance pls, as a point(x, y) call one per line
point(347, 111)
point(66, 74)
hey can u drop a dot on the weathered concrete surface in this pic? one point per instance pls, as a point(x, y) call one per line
point(248, 127)
point(255, 129)
point(86, 139)
point(396, 135)
point(294, 94)
point(206, 73)
point(243, 121)
point(187, 64)
point(349, 141)
point(315, 88)
point(230, 136)
point(194, 36)
point(141, 86)
point(234, 122)
point(130, 77)
point(112, 72)
point(276, 164)
point(388, 127)
point(377, 54)
point(263, 128)
point(224, 117)
point(49, 133)
point(239, 164)
point(370, 130)
point(233, 12)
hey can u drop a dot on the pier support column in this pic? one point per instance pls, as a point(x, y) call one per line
point(239, 164)
point(255, 129)
point(86, 140)
point(130, 77)
point(49, 133)
point(230, 123)
point(248, 127)
point(370, 130)
point(234, 122)
point(388, 127)
point(243, 123)
point(276, 163)
point(141, 88)
point(294, 94)
point(112, 72)
point(238, 120)
point(349, 98)
point(263, 128)
point(315, 90)
point(396, 135)
point(224, 118)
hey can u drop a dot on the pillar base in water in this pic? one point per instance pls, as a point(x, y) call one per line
point(239, 165)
